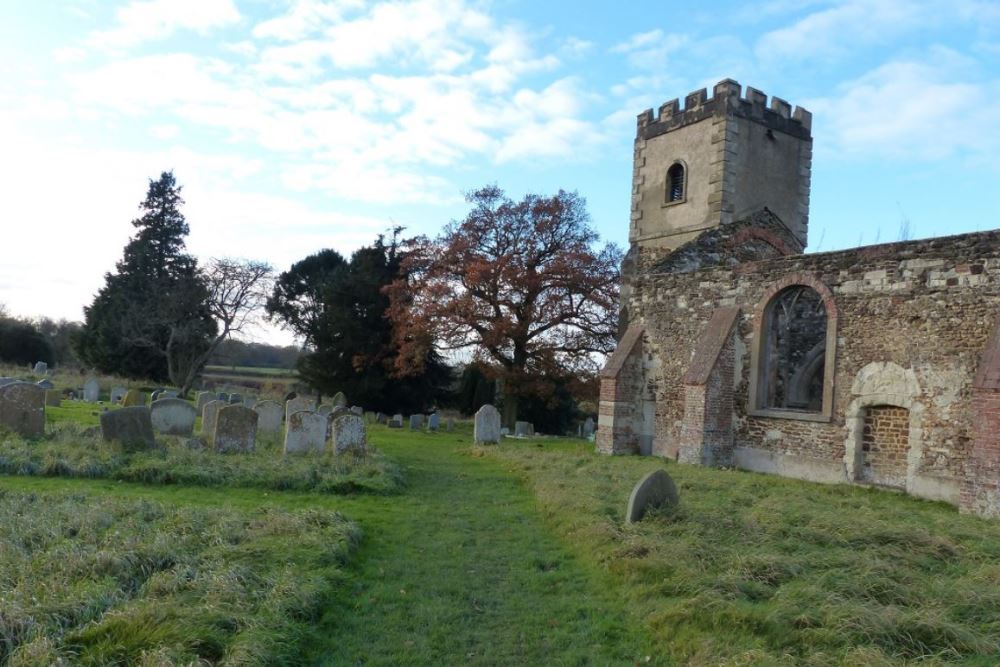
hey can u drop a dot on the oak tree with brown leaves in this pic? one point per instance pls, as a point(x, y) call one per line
point(523, 284)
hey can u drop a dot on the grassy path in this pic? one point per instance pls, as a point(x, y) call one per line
point(458, 570)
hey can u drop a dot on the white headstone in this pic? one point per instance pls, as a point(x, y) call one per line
point(91, 390)
point(41, 368)
point(416, 421)
point(349, 434)
point(487, 425)
point(172, 416)
point(298, 404)
point(434, 422)
point(306, 432)
point(588, 427)
point(117, 394)
point(269, 415)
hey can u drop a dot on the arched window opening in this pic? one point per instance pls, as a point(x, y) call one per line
point(675, 182)
point(793, 351)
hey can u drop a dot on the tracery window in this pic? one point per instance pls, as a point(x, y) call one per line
point(792, 353)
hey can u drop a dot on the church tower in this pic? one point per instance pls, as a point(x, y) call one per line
point(714, 162)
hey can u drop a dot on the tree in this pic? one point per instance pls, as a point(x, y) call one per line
point(151, 317)
point(59, 334)
point(518, 282)
point(22, 343)
point(338, 309)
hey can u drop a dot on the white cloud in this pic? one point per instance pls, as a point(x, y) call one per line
point(145, 20)
point(305, 18)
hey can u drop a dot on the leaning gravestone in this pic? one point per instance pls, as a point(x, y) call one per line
point(298, 404)
point(306, 432)
point(349, 434)
point(117, 394)
point(130, 426)
point(91, 390)
point(41, 368)
point(269, 415)
point(209, 414)
point(396, 421)
point(203, 398)
point(133, 398)
point(22, 408)
point(487, 426)
point(172, 416)
point(654, 490)
point(340, 399)
point(235, 429)
point(53, 399)
point(524, 429)
point(434, 422)
point(416, 421)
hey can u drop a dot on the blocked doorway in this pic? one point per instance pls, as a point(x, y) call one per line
point(885, 444)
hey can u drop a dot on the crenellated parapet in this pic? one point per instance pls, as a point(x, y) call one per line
point(726, 99)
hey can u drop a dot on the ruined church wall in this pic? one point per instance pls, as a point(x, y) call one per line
point(926, 306)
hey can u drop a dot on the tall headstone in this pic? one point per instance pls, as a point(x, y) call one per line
point(130, 426)
point(209, 414)
point(349, 434)
point(524, 429)
point(269, 415)
point(486, 429)
point(203, 398)
point(91, 390)
point(41, 368)
point(298, 404)
point(340, 399)
point(450, 424)
point(132, 398)
point(305, 432)
point(588, 427)
point(416, 421)
point(434, 422)
point(172, 416)
point(117, 394)
point(22, 408)
point(235, 429)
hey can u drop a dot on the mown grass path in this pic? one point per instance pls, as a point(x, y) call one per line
point(459, 569)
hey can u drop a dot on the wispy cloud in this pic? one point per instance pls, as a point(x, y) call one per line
point(146, 20)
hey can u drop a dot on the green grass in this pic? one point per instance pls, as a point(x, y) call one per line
point(238, 371)
point(100, 580)
point(755, 569)
point(70, 451)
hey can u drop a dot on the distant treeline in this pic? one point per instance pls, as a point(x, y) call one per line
point(261, 355)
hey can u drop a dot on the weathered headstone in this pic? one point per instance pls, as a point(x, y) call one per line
point(22, 408)
point(209, 414)
point(269, 415)
point(381, 418)
point(305, 432)
point(91, 390)
point(325, 409)
point(450, 424)
point(486, 429)
point(250, 402)
point(524, 429)
point(357, 410)
point(236, 398)
point(132, 398)
point(416, 421)
point(222, 396)
point(172, 416)
point(53, 398)
point(117, 394)
point(41, 368)
point(396, 421)
point(297, 404)
point(130, 426)
point(337, 411)
point(588, 427)
point(46, 384)
point(654, 490)
point(340, 399)
point(504, 431)
point(235, 429)
point(434, 422)
point(203, 398)
point(349, 434)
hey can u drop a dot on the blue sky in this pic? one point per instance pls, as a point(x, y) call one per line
point(299, 125)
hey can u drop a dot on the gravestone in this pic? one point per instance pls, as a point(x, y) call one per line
point(338, 411)
point(203, 398)
point(172, 416)
point(325, 409)
point(235, 429)
point(450, 424)
point(340, 399)
point(504, 431)
point(170, 393)
point(269, 414)
point(222, 396)
point(297, 404)
point(434, 422)
point(45, 384)
point(91, 390)
point(349, 434)
point(132, 398)
point(117, 394)
point(236, 399)
point(250, 402)
point(381, 418)
point(22, 408)
point(130, 426)
point(155, 396)
point(396, 421)
point(305, 432)
point(41, 368)
point(588, 427)
point(53, 399)
point(357, 410)
point(524, 429)
point(654, 490)
point(486, 429)
point(5, 381)
point(416, 421)
point(289, 396)
point(209, 414)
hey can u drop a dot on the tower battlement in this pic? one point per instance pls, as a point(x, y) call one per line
point(726, 99)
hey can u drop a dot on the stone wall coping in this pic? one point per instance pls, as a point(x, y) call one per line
point(713, 339)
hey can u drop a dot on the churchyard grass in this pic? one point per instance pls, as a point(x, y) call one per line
point(67, 450)
point(753, 569)
point(94, 580)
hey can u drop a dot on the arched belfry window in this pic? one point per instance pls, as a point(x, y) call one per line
point(793, 350)
point(675, 182)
